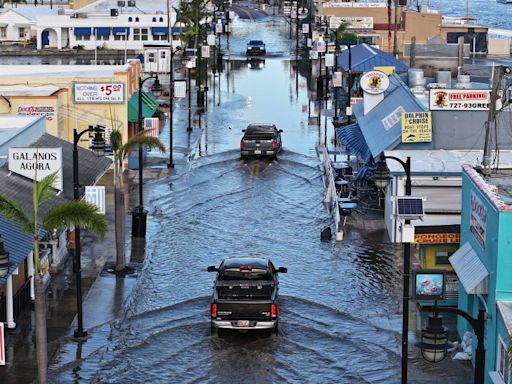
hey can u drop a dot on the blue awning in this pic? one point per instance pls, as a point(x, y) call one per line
point(82, 31)
point(353, 138)
point(102, 31)
point(159, 31)
point(177, 30)
point(121, 31)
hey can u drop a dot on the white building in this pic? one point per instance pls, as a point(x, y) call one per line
point(111, 24)
point(19, 24)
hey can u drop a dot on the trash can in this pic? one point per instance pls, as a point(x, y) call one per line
point(139, 216)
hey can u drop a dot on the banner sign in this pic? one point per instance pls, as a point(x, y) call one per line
point(98, 93)
point(459, 100)
point(351, 22)
point(180, 88)
point(336, 4)
point(218, 28)
point(2, 344)
point(43, 161)
point(205, 51)
point(437, 238)
point(37, 110)
point(320, 46)
point(95, 195)
point(305, 28)
point(478, 219)
point(210, 39)
point(416, 127)
point(329, 60)
point(337, 79)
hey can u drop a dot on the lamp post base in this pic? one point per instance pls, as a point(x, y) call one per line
point(80, 334)
point(139, 217)
point(170, 165)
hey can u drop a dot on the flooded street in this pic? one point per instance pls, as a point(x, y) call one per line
point(340, 319)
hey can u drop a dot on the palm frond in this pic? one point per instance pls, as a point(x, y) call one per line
point(116, 140)
point(76, 213)
point(141, 139)
point(43, 189)
point(13, 211)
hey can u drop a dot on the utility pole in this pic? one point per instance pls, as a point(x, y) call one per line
point(496, 83)
point(395, 37)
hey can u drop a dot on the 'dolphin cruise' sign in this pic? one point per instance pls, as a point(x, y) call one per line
point(42, 162)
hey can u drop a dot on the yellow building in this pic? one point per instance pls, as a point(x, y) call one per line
point(75, 96)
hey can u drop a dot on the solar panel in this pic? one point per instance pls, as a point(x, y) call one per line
point(410, 206)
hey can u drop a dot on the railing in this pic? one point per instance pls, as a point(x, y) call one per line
point(330, 192)
point(21, 299)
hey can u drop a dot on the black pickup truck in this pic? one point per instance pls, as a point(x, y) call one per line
point(245, 294)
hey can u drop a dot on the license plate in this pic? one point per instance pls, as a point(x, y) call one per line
point(242, 323)
point(257, 152)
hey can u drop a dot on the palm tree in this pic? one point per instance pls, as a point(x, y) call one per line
point(193, 13)
point(74, 213)
point(120, 151)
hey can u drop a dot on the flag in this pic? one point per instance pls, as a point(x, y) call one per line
point(152, 126)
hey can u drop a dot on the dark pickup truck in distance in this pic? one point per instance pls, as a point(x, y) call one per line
point(245, 295)
point(260, 140)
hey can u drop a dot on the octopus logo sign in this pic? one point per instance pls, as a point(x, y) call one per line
point(440, 99)
point(374, 82)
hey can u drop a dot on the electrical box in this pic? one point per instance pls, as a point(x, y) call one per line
point(407, 233)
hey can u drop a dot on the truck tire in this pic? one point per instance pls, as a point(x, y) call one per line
point(213, 330)
point(276, 329)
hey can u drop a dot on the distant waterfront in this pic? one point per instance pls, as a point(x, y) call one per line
point(489, 13)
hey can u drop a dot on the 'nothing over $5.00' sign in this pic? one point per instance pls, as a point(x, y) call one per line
point(98, 93)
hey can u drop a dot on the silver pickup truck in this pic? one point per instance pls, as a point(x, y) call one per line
point(260, 140)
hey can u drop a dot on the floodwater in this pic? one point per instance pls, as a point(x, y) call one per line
point(340, 303)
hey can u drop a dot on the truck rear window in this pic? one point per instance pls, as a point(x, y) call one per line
point(236, 274)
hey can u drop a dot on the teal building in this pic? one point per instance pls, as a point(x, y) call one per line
point(483, 264)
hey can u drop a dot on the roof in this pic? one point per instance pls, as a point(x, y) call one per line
point(88, 71)
point(381, 127)
point(365, 58)
point(91, 168)
point(496, 186)
point(505, 311)
point(11, 125)
point(235, 262)
point(25, 90)
point(142, 6)
point(18, 243)
point(469, 269)
point(31, 12)
point(441, 162)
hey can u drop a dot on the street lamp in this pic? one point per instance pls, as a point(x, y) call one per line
point(381, 179)
point(98, 148)
point(170, 164)
point(139, 214)
point(189, 65)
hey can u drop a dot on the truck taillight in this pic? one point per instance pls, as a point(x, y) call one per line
point(273, 310)
point(214, 310)
point(242, 144)
point(274, 145)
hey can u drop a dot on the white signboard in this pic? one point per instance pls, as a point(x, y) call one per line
point(41, 161)
point(218, 28)
point(95, 195)
point(305, 28)
point(329, 59)
point(337, 79)
point(393, 118)
point(37, 110)
point(320, 46)
point(374, 82)
point(205, 51)
point(2, 344)
point(210, 39)
point(352, 22)
point(180, 88)
point(99, 93)
point(478, 219)
point(459, 99)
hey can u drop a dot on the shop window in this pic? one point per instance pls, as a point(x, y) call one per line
point(502, 362)
point(22, 33)
point(120, 37)
point(161, 19)
point(160, 37)
point(140, 34)
point(151, 57)
point(154, 19)
point(82, 38)
point(441, 258)
point(136, 19)
point(130, 19)
point(3, 32)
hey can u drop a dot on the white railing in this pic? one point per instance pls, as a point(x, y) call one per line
point(331, 197)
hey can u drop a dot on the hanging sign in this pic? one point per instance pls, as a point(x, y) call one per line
point(180, 88)
point(218, 28)
point(459, 99)
point(478, 219)
point(320, 46)
point(210, 39)
point(41, 161)
point(374, 82)
point(98, 93)
point(205, 51)
point(95, 195)
point(416, 127)
point(337, 79)
point(329, 59)
point(437, 238)
point(305, 28)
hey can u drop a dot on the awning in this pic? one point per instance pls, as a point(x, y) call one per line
point(470, 270)
point(102, 31)
point(353, 138)
point(177, 30)
point(79, 31)
point(121, 31)
point(159, 31)
point(149, 106)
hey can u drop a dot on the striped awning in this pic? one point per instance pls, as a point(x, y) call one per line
point(159, 31)
point(79, 31)
point(121, 31)
point(102, 31)
point(353, 138)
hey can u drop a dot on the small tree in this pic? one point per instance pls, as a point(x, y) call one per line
point(74, 213)
point(120, 151)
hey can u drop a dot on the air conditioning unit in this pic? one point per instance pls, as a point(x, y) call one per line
point(121, 3)
point(61, 11)
point(114, 12)
point(132, 3)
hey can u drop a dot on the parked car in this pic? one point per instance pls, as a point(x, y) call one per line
point(256, 47)
point(245, 295)
point(261, 140)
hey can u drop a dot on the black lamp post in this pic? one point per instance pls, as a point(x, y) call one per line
point(170, 164)
point(431, 349)
point(98, 148)
point(381, 179)
point(139, 214)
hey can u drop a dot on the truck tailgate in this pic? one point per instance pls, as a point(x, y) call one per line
point(247, 310)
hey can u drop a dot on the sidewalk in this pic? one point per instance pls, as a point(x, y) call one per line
point(104, 293)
